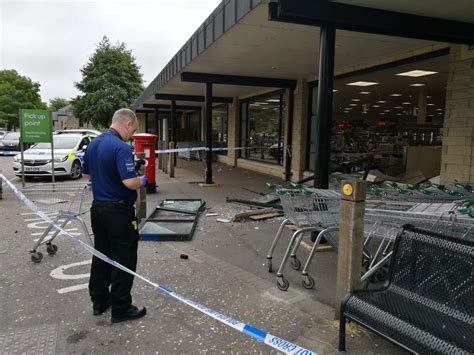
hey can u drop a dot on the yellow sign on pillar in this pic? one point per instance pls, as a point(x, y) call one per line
point(347, 189)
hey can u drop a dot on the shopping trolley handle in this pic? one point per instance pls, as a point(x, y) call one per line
point(467, 207)
point(463, 187)
point(297, 185)
point(285, 192)
point(271, 186)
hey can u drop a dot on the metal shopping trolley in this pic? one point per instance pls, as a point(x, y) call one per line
point(309, 210)
point(64, 202)
point(383, 227)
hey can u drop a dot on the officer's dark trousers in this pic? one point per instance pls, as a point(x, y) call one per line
point(115, 235)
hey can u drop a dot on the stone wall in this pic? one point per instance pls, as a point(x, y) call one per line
point(457, 160)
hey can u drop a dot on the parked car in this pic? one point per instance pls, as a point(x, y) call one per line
point(91, 132)
point(2, 134)
point(11, 141)
point(68, 155)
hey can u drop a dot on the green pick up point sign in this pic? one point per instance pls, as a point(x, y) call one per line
point(35, 126)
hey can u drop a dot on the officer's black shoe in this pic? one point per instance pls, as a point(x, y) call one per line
point(98, 309)
point(132, 313)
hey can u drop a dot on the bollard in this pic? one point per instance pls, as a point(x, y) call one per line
point(351, 239)
point(141, 194)
point(172, 158)
point(160, 156)
point(165, 158)
point(1, 186)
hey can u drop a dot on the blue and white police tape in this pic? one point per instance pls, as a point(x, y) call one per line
point(264, 337)
point(196, 149)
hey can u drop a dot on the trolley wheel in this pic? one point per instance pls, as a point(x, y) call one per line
point(295, 263)
point(282, 284)
point(269, 265)
point(381, 274)
point(365, 263)
point(51, 249)
point(36, 257)
point(308, 282)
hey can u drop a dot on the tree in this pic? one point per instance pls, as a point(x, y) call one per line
point(17, 92)
point(110, 80)
point(56, 103)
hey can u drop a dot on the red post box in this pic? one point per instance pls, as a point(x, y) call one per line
point(145, 143)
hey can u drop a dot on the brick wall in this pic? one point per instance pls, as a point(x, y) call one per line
point(457, 159)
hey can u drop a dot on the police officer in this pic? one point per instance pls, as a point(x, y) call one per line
point(109, 164)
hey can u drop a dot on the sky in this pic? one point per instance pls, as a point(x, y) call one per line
point(50, 41)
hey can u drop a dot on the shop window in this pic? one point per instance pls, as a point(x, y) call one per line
point(262, 128)
point(219, 128)
point(382, 112)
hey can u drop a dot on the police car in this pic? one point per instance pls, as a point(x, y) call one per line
point(69, 152)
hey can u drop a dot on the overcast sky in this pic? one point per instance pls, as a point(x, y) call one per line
point(50, 41)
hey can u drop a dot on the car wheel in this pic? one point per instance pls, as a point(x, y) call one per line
point(76, 170)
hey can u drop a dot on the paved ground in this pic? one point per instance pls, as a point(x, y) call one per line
point(45, 307)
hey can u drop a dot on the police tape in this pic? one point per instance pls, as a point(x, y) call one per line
point(197, 149)
point(255, 333)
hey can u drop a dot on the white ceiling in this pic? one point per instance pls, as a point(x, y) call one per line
point(457, 10)
point(258, 47)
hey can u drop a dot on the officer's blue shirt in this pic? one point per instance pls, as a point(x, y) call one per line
point(109, 160)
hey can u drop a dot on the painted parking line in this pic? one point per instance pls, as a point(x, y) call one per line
point(59, 274)
point(73, 288)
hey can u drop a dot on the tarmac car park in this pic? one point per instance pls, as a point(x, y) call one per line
point(68, 155)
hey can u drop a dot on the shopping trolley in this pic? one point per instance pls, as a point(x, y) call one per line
point(64, 202)
point(309, 210)
point(393, 191)
point(385, 225)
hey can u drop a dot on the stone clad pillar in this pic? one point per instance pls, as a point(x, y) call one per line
point(457, 159)
point(351, 238)
point(233, 130)
point(300, 129)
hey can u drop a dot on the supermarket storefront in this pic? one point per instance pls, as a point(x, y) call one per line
point(272, 69)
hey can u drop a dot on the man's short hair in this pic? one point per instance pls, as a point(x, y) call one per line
point(123, 115)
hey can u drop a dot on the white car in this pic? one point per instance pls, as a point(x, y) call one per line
point(10, 141)
point(68, 155)
point(91, 132)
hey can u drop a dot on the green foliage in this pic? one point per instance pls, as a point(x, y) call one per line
point(56, 103)
point(17, 92)
point(110, 80)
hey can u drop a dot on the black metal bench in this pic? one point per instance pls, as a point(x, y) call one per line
point(427, 305)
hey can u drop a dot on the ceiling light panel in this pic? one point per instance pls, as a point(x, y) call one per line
point(417, 73)
point(362, 83)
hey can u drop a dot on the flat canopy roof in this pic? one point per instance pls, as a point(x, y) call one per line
point(238, 39)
